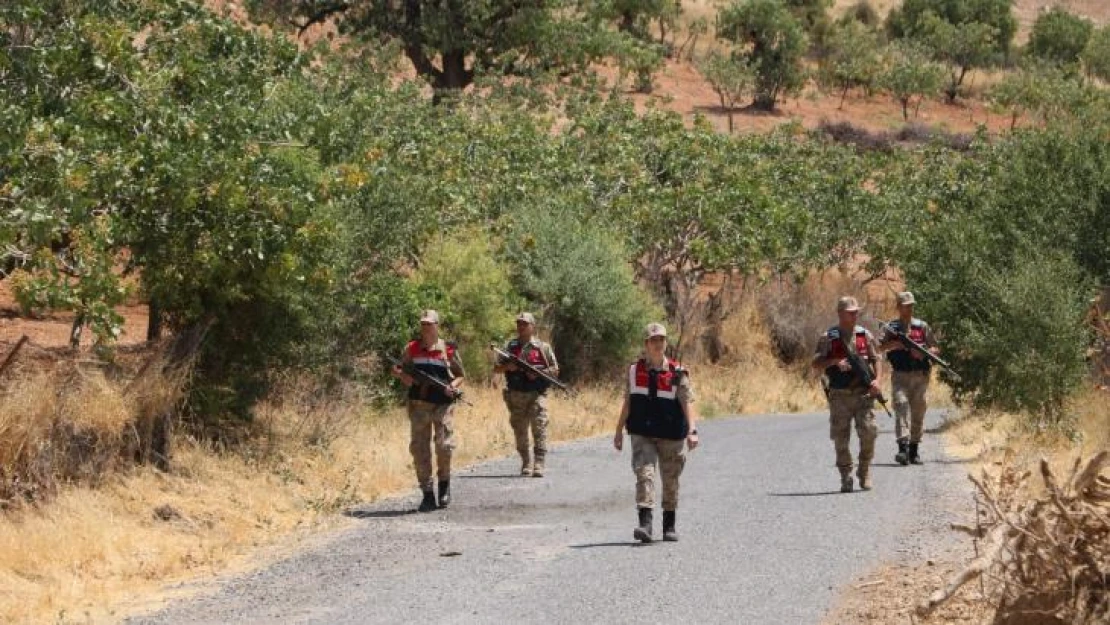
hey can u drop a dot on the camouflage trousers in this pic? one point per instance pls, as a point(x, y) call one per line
point(908, 389)
point(670, 455)
point(431, 422)
point(846, 406)
point(528, 411)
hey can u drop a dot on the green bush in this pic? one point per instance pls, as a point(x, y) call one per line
point(1018, 343)
point(576, 275)
point(1059, 36)
point(775, 43)
point(1096, 56)
point(479, 301)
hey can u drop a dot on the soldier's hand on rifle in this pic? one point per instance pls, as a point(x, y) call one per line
point(843, 364)
point(874, 389)
point(405, 378)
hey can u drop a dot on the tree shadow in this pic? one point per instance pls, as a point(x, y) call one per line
point(377, 514)
point(815, 494)
point(745, 111)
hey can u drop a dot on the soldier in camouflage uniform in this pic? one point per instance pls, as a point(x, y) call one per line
point(910, 378)
point(659, 414)
point(526, 393)
point(430, 407)
point(850, 399)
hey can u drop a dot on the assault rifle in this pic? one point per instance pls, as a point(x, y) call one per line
point(861, 369)
point(520, 362)
point(424, 376)
point(919, 348)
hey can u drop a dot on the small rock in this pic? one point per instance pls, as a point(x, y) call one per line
point(166, 512)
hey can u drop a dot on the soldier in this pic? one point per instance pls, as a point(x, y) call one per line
point(659, 414)
point(430, 407)
point(526, 393)
point(850, 398)
point(910, 378)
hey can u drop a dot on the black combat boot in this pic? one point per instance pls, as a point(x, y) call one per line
point(846, 481)
point(914, 458)
point(444, 493)
point(669, 533)
point(903, 455)
point(429, 502)
point(643, 532)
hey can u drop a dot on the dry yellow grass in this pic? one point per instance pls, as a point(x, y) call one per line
point(995, 438)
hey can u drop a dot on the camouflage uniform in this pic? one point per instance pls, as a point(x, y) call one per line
point(527, 403)
point(430, 416)
point(910, 380)
point(668, 453)
point(849, 402)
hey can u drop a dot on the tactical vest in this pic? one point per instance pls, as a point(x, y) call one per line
point(902, 359)
point(653, 408)
point(846, 379)
point(518, 380)
point(435, 362)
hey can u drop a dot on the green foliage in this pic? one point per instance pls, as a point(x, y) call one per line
point(963, 34)
point(911, 19)
point(1023, 330)
point(1096, 56)
point(961, 47)
point(1020, 92)
point(730, 78)
point(864, 13)
point(774, 43)
point(576, 274)
point(813, 15)
point(479, 302)
point(1059, 37)
point(910, 74)
point(853, 59)
point(451, 45)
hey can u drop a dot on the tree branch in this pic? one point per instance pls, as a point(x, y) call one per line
point(321, 15)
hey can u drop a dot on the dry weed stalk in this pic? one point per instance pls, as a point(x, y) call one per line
point(1049, 556)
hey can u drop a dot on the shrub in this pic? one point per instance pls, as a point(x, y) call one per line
point(576, 274)
point(1059, 36)
point(479, 301)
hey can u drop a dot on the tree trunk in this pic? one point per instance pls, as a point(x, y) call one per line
point(764, 101)
point(75, 331)
point(954, 86)
point(154, 321)
point(905, 109)
point(455, 77)
point(627, 23)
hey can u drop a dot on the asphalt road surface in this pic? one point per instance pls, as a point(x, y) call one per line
point(765, 538)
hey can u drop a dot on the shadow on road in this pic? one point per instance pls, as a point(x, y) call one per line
point(506, 476)
point(820, 494)
point(377, 514)
point(630, 543)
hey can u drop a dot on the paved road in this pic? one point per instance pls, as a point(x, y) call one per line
point(765, 539)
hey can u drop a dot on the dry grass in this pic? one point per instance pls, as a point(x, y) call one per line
point(88, 553)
